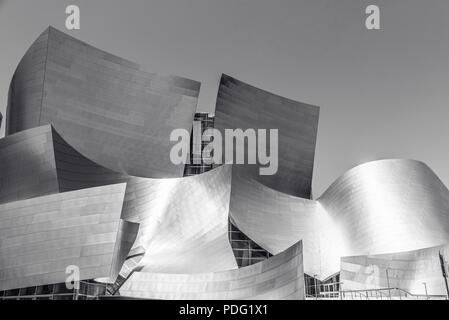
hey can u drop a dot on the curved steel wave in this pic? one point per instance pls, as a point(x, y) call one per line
point(279, 277)
point(242, 106)
point(378, 207)
point(183, 222)
point(104, 106)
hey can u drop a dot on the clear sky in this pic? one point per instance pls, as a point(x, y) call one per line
point(383, 94)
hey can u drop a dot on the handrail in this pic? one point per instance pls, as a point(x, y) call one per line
point(377, 293)
point(382, 291)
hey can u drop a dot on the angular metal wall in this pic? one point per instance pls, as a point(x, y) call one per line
point(279, 277)
point(40, 237)
point(105, 107)
point(241, 106)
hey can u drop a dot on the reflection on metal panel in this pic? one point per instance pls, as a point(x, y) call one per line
point(77, 172)
point(27, 165)
point(275, 221)
point(183, 222)
point(37, 162)
point(279, 277)
point(40, 237)
point(379, 207)
point(104, 106)
point(241, 106)
point(417, 271)
point(389, 206)
point(27, 88)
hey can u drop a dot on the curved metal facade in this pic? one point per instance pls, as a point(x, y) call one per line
point(183, 222)
point(40, 237)
point(417, 271)
point(27, 165)
point(240, 105)
point(379, 207)
point(279, 277)
point(37, 162)
point(86, 175)
point(77, 172)
point(105, 107)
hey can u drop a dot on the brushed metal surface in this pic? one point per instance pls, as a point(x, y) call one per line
point(75, 171)
point(104, 106)
point(183, 222)
point(240, 105)
point(414, 271)
point(379, 207)
point(279, 277)
point(27, 165)
point(26, 88)
point(37, 162)
point(40, 237)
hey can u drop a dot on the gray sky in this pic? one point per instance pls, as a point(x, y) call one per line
point(383, 94)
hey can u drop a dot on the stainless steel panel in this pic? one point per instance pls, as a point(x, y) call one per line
point(27, 165)
point(240, 105)
point(379, 207)
point(417, 271)
point(104, 106)
point(183, 222)
point(279, 277)
point(37, 162)
point(40, 237)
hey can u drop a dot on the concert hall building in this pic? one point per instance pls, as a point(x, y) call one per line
point(86, 181)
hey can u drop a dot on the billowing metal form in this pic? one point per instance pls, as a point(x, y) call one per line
point(241, 106)
point(27, 87)
point(378, 207)
point(41, 237)
point(37, 162)
point(279, 277)
point(183, 222)
point(27, 165)
point(77, 172)
point(418, 272)
point(105, 107)
point(275, 220)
